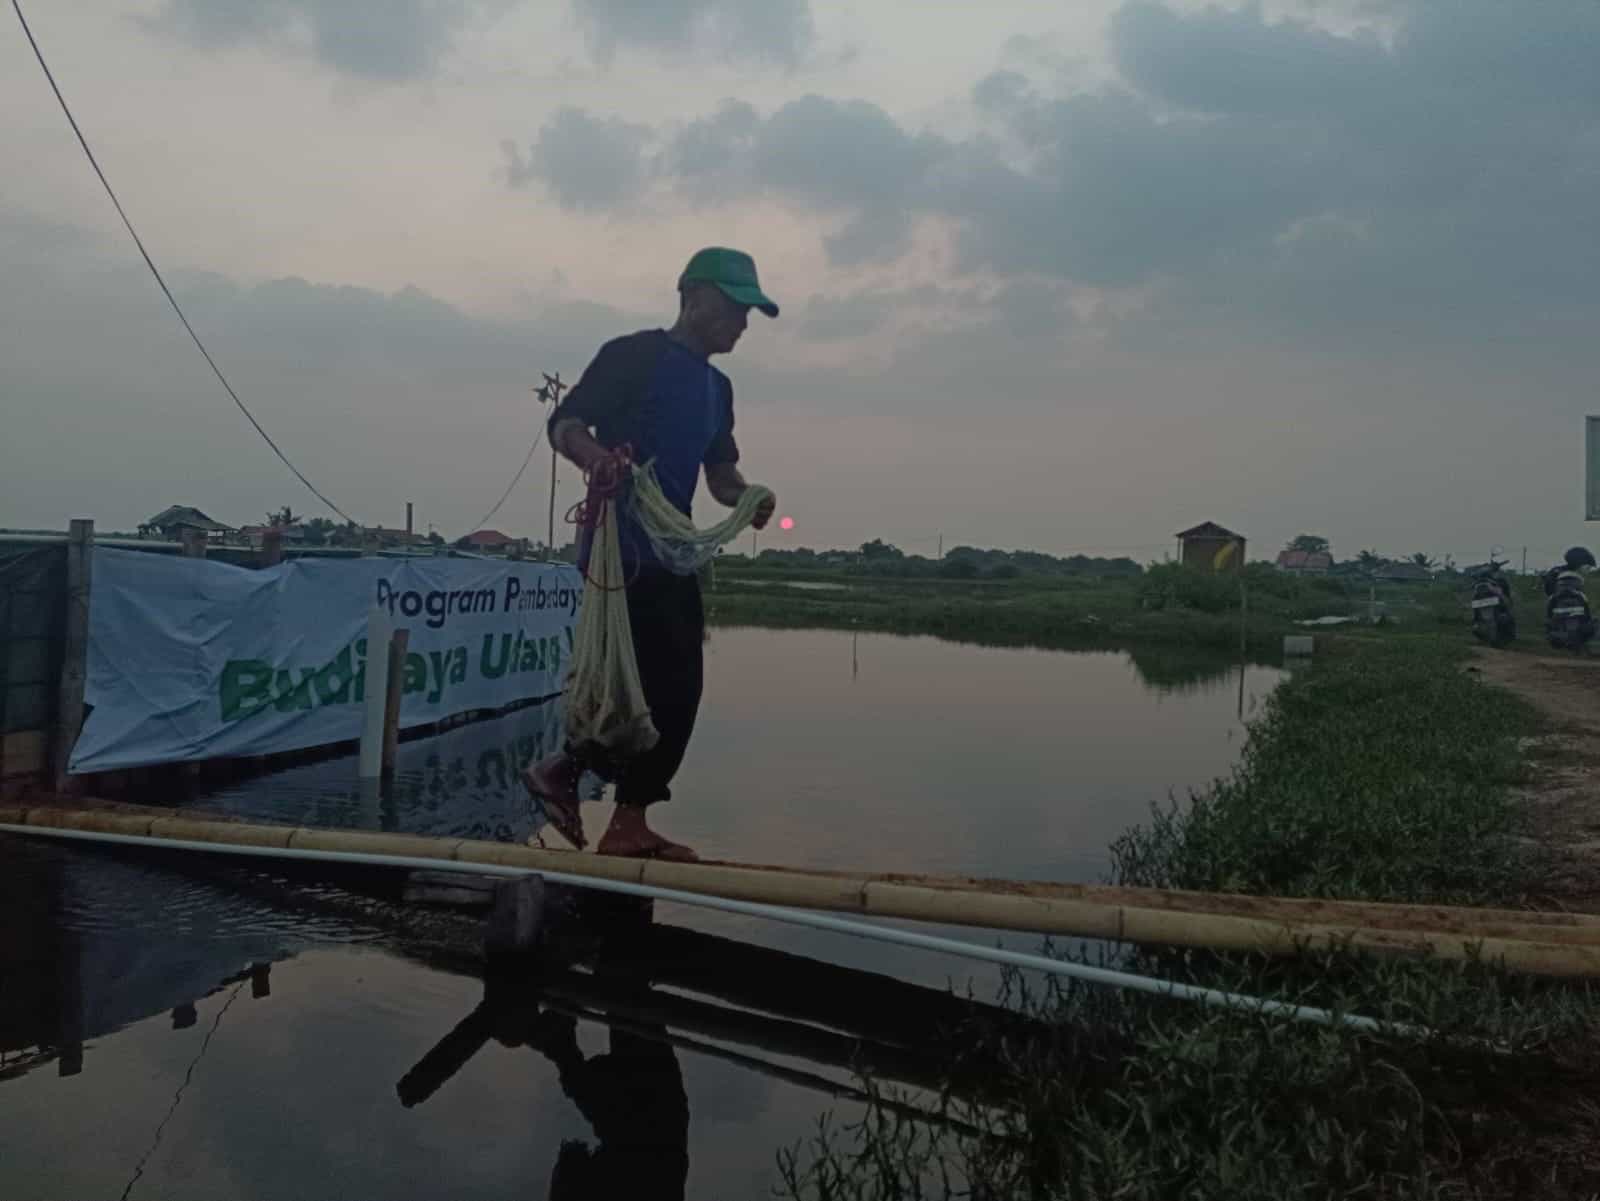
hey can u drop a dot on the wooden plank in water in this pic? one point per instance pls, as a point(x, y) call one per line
point(450, 888)
point(1527, 946)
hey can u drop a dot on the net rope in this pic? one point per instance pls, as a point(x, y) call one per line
point(605, 702)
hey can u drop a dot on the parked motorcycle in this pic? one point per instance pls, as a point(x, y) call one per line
point(1493, 621)
point(1569, 622)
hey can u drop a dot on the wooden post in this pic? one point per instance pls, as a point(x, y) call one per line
point(74, 659)
point(517, 916)
point(1244, 618)
point(194, 543)
point(391, 703)
point(550, 534)
point(271, 548)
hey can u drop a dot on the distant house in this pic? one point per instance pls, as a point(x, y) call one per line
point(255, 535)
point(172, 521)
point(1305, 562)
point(1200, 546)
point(492, 542)
point(389, 539)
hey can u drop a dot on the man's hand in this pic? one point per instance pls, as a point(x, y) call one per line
point(764, 512)
point(577, 444)
point(726, 485)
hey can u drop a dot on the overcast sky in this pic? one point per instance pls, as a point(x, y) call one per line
point(1056, 276)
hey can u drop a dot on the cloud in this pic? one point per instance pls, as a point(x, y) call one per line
point(402, 40)
point(1434, 188)
point(372, 394)
point(848, 159)
point(1431, 178)
point(1235, 61)
point(586, 162)
point(777, 31)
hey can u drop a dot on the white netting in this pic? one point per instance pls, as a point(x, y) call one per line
point(678, 544)
point(605, 699)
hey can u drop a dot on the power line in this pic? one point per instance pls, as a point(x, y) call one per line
point(177, 1098)
point(149, 262)
point(507, 493)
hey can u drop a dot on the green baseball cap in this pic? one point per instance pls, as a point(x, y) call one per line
point(733, 272)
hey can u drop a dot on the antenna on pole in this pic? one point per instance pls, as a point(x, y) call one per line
point(549, 393)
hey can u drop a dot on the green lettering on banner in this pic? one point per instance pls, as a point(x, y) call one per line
point(333, 681)
point(436, 661)
point(291, 696)
point(489, 670)
point(246, 688)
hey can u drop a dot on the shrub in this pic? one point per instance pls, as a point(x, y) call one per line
point(1174, 586)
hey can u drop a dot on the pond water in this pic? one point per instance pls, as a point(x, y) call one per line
point(230, 1032)
point(813, 585)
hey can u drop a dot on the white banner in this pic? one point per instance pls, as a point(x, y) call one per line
point(193, 659)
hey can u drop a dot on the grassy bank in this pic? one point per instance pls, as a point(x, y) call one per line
point(1383, 773)
point(1165, 605)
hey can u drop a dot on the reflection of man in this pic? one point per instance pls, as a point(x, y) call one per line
point(657, 392)
point(633, 1097)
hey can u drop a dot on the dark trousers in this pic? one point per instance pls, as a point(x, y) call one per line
point(668, 624)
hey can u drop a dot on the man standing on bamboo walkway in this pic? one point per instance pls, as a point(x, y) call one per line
point(657, 392)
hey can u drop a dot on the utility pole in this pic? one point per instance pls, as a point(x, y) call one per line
point(1524, 560)
point(941, 546)
point(549, 393)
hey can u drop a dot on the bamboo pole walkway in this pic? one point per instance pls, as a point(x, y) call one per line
point(1536, 943)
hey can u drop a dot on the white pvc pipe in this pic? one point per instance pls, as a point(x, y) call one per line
point(380, 628)
point(777, 913)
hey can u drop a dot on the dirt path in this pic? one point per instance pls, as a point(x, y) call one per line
point(1564, 797)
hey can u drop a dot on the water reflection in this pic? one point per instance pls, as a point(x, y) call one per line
point(631, 1094)
point(94, 942)
point(835, 749)
point(657, 989)
point(1184, 671)
point(640, 1054)
point(625, 1012)
point(463, 783)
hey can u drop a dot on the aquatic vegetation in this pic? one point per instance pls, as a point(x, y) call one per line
point(1382, 773)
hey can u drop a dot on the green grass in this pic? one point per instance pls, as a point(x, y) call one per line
point(1383, 772)
point(1381, 775)
point(1058, 613)
point(1166, 605)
